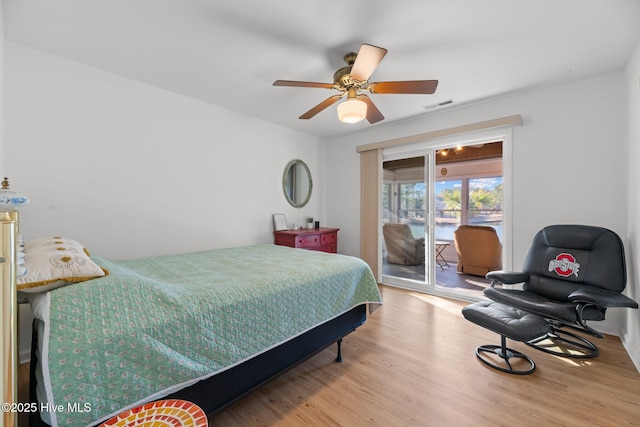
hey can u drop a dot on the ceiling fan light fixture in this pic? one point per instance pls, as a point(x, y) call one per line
point(352, 110)
point(352, 79)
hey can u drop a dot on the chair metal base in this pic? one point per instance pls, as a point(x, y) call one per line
point(505, 354)
point(568, 344)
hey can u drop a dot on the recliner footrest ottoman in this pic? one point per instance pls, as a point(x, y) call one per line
point(511, 323)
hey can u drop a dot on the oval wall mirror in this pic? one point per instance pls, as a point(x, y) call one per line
point(297, 183)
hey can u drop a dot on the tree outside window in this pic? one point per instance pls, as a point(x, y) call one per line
point(481, 206)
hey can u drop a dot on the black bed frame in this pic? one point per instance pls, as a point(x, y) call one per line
point(221, 390)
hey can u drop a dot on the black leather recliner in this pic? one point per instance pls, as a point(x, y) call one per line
point(571, 275)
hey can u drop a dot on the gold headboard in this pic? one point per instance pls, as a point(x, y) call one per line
point(10, 202)
point(9, 307)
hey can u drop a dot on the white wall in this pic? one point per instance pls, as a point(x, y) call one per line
point(631, 334)
point(132, 170)
point(568, 162)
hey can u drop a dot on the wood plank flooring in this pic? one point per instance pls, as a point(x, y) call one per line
point(413, 364)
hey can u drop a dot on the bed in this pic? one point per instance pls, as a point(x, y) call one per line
point(207, 327)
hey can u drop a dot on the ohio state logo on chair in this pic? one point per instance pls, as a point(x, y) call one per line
point(564, 265)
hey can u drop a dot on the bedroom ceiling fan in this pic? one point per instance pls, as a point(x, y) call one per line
point(352, 79)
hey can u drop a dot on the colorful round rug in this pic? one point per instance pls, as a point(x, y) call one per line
point(163, 413)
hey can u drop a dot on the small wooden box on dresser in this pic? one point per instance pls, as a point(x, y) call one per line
point(315, 239)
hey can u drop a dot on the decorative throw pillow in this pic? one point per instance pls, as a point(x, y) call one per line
point(52, 262)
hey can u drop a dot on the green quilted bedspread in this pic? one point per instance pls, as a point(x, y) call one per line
point(156, 325)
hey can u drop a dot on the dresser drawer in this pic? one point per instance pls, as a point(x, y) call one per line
point(329, 238)
point(307, 241)
point(331, 248)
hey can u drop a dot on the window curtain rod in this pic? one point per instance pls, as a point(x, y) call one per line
point(489, 124)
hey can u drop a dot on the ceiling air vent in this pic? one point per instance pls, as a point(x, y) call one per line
point(439, 104)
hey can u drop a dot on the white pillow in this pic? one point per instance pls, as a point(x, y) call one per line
point(52, 262)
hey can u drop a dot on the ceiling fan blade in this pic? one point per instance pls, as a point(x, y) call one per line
point(367, 61)
point(324, 104)
point(303, 84)
point(411, 86)
point(373, 114)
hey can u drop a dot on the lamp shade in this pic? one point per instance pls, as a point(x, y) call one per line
point(10, 200)
point(352, 110)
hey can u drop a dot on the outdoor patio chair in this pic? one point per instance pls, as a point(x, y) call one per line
point(479, 249)
point(402, 247)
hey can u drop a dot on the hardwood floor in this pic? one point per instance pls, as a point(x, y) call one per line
point(413, 364)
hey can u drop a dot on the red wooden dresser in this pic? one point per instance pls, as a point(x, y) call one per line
point(315, 239)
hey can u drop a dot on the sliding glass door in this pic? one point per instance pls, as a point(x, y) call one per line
point(407, 217)
point(428, 192)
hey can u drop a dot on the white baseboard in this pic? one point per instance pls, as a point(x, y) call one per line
point(633, 350)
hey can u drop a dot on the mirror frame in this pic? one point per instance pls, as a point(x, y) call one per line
point(291, 164)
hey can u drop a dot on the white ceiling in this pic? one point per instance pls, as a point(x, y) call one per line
point(229, 53)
